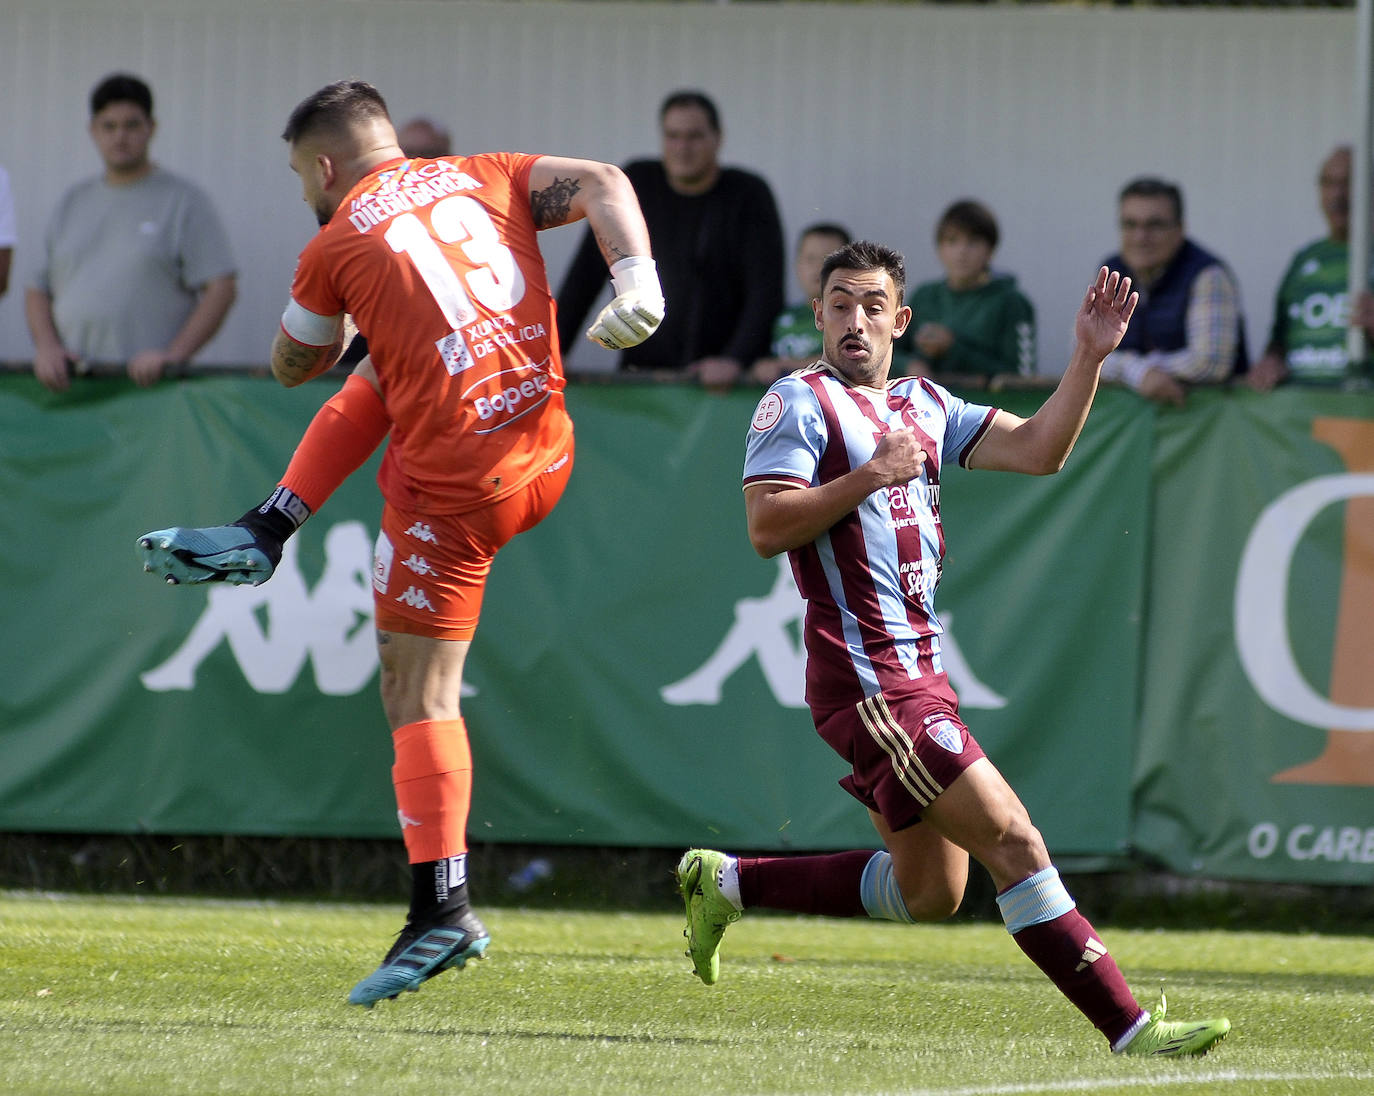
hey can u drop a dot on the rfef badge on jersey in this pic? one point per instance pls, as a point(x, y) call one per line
point(768, 412)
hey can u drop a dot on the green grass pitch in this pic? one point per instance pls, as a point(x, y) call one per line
point(164, 997)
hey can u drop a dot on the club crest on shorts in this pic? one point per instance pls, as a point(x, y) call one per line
point(947, 735)
point(767, 413)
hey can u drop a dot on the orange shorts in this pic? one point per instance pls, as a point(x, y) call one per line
point(429, 571)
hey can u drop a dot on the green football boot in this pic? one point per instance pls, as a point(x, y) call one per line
point(1164, 1037)
point(708, 911)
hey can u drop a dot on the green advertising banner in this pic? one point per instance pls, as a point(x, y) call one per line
point(637, 676)
point(1256, 757)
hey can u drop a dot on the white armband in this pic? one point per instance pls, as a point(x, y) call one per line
point(310, 328)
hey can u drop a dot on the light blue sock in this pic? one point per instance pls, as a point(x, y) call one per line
point(878, 891)
point(1033, 901)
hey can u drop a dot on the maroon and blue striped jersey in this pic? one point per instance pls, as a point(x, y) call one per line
point(869, 581)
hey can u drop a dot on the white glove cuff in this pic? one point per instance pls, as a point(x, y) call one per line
point(636, 272)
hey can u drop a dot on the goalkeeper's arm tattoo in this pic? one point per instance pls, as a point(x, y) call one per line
point(552, 206)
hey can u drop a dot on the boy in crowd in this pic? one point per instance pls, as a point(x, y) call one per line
point(796, 338)
point(972, 324)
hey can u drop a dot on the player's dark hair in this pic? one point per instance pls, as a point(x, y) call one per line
point(121, 87)
point(1147, 186)
point(972, 218)
point(864, 255)
point(825, 228)
point(690, 98)
point(334, 110)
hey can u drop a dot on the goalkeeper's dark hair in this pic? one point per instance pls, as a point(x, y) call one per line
point(335, 110)
point(865, 255)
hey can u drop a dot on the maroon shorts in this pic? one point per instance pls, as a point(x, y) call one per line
point(904, 752)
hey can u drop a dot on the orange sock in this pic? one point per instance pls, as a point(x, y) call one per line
point(433, 778)
point(343, 434)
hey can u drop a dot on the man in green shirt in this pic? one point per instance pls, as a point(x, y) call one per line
point(1312, 313)
point(972, 324)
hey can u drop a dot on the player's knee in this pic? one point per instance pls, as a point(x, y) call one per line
point(936, 892)
point(934, 903)
point(1024, 839)
point(1018, 851)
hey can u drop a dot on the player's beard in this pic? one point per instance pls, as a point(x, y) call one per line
point(324, 211)
point(857, 372)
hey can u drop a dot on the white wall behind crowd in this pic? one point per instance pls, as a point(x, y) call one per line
point(871, 115)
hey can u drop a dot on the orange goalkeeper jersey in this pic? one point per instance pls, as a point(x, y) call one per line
point(438, 264)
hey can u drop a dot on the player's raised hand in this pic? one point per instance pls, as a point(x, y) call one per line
point(637, 309)
point(1105, 312)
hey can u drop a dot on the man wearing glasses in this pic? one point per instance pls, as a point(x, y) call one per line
point(1188, 328)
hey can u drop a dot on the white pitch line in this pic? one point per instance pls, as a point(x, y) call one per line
point(1107, 1084)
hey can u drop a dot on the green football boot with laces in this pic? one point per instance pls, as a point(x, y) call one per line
point(1165, 1037)
point(708, 911)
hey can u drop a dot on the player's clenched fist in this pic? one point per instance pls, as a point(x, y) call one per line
point(898, 457)
point(637, 309)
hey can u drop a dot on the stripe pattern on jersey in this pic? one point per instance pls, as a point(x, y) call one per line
point(893, 740)
point(882, 666)
point(870, 579)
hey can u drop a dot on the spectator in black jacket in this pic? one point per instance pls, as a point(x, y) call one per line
point(717, 240)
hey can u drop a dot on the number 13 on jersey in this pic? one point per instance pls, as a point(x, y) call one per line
point(495, 280)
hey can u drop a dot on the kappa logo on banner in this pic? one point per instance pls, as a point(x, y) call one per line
point(768, 629)
point(274, 629)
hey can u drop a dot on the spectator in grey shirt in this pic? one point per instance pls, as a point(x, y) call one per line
point(136, 266)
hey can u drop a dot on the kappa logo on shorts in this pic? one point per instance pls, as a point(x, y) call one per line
point(416, 599)
point(947, 735)
point(422, 532)
point(418, 564)
point(768, 412)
